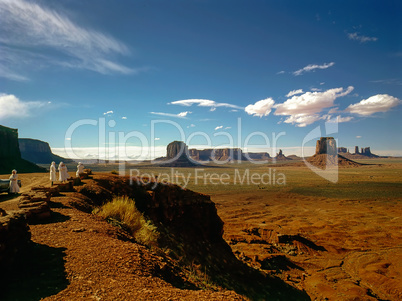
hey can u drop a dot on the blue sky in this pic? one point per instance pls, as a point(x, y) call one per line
point(212, 68)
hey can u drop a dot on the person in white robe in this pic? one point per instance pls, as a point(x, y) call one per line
point(14, 188)
point(63, 172)
point(80, 169)
point(53, 177)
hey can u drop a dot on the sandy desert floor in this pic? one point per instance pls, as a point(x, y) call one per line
point(336, 241)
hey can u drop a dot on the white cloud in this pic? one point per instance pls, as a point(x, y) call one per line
point(157, 139)
point(218, 127)
point(191, 126)
point(294, 92)
point(124, 117)
point(108, 113)
point(312, 67)
point(358, 137)
point(11, 106)
point(310, 102)
point(304, 109)
point(374, 104)
point(184, 114)
point(362, 39)
point(338, 119)
point(302, 120)
point(261, 107)
point(212, 109)
point(228, 128)
point(30, 28)
point(203, 103)
point(179, 115)
point(281, 72)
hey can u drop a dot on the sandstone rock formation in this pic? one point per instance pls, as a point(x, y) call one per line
point(326, 155)
point(280, 157)
point(191, 233)
point(326, 145)
point(38, 151)
point(177, 155)
point(365, 153)
point(35, 203)
point(217, 154)
point(10, 155)
point(14, 238)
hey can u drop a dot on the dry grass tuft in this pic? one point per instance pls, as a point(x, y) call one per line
point(123, 212)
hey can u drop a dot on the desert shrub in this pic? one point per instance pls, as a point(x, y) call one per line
point(123, 210)
point(114, 172)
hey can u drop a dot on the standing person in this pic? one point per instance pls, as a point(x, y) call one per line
point(63, 173)
point(53, 177)
point(80, 169)
point(14, 188)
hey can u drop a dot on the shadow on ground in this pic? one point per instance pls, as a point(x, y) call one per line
point(8, 196)
point(38, 274)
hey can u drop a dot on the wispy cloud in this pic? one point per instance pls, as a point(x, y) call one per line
point(389, 81)
point(179, 115)
point(361, 38)
point(12, 107)
point(374, 104)
point(260, 108)
point(312, 67)
point(32, 28)
point(219, 127)
point(305, 109)
point(294, 92)
point(108, 113)
point(203, 103)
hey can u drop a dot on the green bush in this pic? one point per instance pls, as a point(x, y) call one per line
point(123, 210)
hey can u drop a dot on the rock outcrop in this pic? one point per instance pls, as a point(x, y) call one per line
point(365, 153)
point(177, 155)
point(280, 157)
point(326, 155)
point(38, 151)
point(217, 154)
point(191, 234)
point(14, 238)
point(10, 155)
point(326, 145)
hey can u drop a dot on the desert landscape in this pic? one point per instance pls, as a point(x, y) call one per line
point(328, 241)
point(200, 150)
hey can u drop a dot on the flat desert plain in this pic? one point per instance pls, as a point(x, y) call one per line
point(335, 240)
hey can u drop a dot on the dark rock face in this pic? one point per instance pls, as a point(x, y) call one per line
point(9, 143)
point(257, 156)
point(281, 157)
point(177, 155)
point(366, 151)
point(326, 145)
point(217, 154)
point(176, 150)
point(342, 150)
point(357, 150)
point(10, 155)
point(14, 237)
point(38, 151)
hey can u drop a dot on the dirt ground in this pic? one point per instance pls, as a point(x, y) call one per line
point(334, 248)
